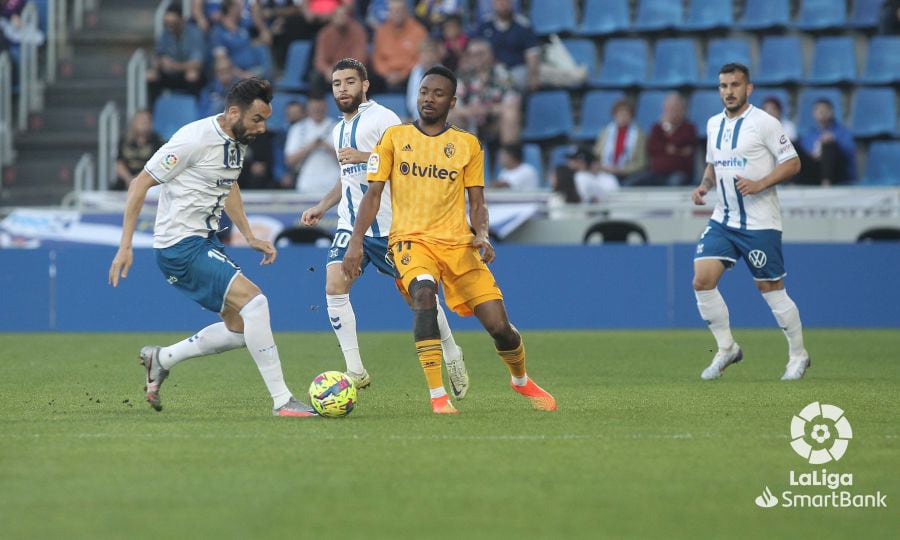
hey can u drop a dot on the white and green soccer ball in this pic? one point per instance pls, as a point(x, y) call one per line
point(332, 394)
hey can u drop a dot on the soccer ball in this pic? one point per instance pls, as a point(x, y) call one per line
point(332, 394)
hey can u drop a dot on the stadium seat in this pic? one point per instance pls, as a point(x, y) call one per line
point(808, 97)
point(725, 51)
point(675, 63)
point(602, 17)
point(295, 66)
point(649, 108)
point(780, 60)
point(704, 104)
point(277, 122)
point(761, 93)
point(874, 112)
point(834, 61)
point(883, 64)
point(706, 15)
point(624, 63)
point(615, 232)
point(394, 102)
point(596, 112)
point(865, 13)
point(552, 16)
point(558, 155)
point(585, 54)
point(821, 14)
point(549, 115)
point(655, 15)
point(883, 164)
point(171, 111)
point(765, 15)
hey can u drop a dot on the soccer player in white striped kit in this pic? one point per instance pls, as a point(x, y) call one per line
point(747, 154)
point(355, 136)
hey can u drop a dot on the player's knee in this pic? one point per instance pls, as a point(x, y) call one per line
point(422, 291)
point(501, 330)
point(233, 321)
point(703, 283)
point(258, 305)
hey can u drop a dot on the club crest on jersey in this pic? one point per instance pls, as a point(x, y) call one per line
point(234, 157)
point(374, 162)
point(405, 258)
point(169, 162)
point(449, 150)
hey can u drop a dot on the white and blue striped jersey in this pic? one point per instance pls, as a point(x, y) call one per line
point(196, 169)
point(362, 132)
point(750, 145)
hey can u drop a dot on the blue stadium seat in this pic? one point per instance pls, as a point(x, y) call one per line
point(704, 104)
point(883, 64)
point(552, 16)
point(332, 110)
point(725, 51)
point(865, 13)
point(558, 155)
point(596, 112)
point(883, 164)
point(761, 93)
point(780, 60)
point(548, 115)
point(821, 14)
point(277, 122)
point(624, 63)
point(655, 15)
point(649, 108)
point(171, 111)
point(675, 63)
point(808, 97)
point(874, 112)
point(394, 102)
point(602, 17)
point(295, 66)
point(834, 61)
point(765, 15)
point(706, 15)
point(585, 54)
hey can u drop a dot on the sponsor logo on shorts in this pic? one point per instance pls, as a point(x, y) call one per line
point(172, 280)
point(757, 258)
point(405, 258)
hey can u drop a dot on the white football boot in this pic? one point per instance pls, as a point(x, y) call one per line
point(721, 361)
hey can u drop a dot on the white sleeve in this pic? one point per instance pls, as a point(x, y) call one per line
point(777, 141)
point(172, 158)
point(388, 119)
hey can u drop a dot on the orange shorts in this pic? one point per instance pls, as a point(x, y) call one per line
point(466, 280)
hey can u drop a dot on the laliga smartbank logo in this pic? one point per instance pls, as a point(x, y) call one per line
point(820, 434)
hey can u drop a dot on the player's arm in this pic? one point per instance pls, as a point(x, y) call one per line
point(783, 171)
point(368, 209)
point(707, 183)
point(234, 207)
point(137, 192)
point(478, 216)
point(311, 216)
point(349, 156)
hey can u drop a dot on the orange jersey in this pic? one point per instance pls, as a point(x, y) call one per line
point(429, 176)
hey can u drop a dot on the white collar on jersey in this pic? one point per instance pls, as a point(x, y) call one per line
point(219, 130)
point(744, 114)
point(362, 107)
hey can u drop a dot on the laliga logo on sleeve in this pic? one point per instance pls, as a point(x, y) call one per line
point(820, 433)
point(169, 161)
point(374, 161)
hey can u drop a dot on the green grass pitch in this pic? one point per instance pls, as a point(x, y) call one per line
point(639, 448)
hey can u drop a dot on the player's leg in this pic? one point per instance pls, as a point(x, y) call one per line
point(423, 296)
point(511, 348)
point(245, 298)
point(343, 321)
point(715, 253)
point(215, 338)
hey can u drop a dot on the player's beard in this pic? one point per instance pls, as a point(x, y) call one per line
point(240, 132)
point(740, 101)
point(433, 117)
point(353, 106)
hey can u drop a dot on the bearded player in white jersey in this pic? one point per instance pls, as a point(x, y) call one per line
point(197, 171)
point(747, 154)
point(364, 121)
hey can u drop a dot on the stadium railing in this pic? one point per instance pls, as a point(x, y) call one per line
point(30, 87)
point(137, 84)
point(83, 178)
point(7, 131)
point(57, 36)
point(107, 145)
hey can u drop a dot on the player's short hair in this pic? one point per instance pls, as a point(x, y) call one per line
point(444, 72)
point(351, 63)
point(244, 92)
point(734, 66)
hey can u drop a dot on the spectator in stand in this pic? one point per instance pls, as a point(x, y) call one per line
point(396, 49)
point(180, 51)
point(343, 37)
point(621, 148)
point(258, 159)
point(310, 151)
point(670, 147)
point(135, 149)
point(230, 37)
point(212, 97)
point(294, 111)
point(455, 41)
point(515, 174)
point(376, 13)
point(486, 102)
point(772, 105)
point(514, 44)
point(829, 147)
point(285, 21)
point(583, 173)
point(433, 12)
point(429, 55)
point(890, 18)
